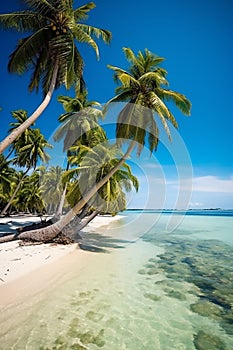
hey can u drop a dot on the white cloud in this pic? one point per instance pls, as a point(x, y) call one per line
point(181, 192)
point(213, 184)
point(196, 204)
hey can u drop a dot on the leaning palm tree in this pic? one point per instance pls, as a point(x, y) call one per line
point(50, 50)
point(144, 89)
point(93, 165)
point(27, 156)
point(111, 197)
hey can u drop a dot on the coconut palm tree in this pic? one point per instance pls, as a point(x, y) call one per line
point(80, 119)
point(6, 176)
point(29, 197)
point(20, 117)
point(95, 165)
point(79, 127)
point(13, 203)
point(52, 188)
point(144, 89)
point(50, 49)
point(111, 196)
point(28, 155)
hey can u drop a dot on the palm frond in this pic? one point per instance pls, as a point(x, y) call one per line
point(42, 6)
point(153, 136)
point(21, 58)
point(117, 73)
point(83, 37)
point(150, 78)
point(129, 54)
point(81, 12)
point(128, 81)
point(180, 100)
point(104, 34)
point(22, 21)
point(159, 107)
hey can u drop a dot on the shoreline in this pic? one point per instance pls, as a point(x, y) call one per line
point(26, 270)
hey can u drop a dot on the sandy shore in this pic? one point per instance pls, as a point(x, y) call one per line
point(30, 268)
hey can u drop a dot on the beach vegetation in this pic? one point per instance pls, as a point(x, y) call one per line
point(51, 187)
point(49, 49)
point(28, 149)
point(144, 89)
point(97, 174)
point(7, 174)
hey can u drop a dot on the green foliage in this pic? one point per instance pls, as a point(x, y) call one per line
point(51, 186)
point(6, 176)
point(52, 29)
point(93, 164)
point(143, 86)
point(79, 125)
point(19, 191)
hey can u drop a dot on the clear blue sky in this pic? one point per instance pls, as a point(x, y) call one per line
point(195, 37)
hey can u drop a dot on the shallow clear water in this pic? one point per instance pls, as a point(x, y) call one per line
point(165, 282)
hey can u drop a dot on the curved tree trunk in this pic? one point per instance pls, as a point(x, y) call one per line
point(84, 212)
point(18, 131)
point(86, 222)
point(62, 201)
point(50, 232)
point(8, 238)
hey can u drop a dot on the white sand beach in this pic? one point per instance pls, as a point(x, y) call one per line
point(18, 263)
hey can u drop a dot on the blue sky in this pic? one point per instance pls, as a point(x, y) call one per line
point(195, 37)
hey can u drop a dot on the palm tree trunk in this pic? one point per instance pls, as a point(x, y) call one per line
point(15, 192)
point(8, 238)
point(10, 153)
point(50, 232)
point(61, 204)
point(18, 131)
point(84, 212)
point(89, 219)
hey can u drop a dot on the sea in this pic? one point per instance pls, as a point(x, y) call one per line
point(161, 280)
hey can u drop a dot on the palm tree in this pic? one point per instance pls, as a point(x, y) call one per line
point(111, 196)
point(79, 127)
point(50, 50)
point(81, 119)
point(143, 87)
point(20, 117)
point(28, 155)
point(30, 195)
point(13, 203)
point(95, 165)
point(6, 176)
point(51, 188)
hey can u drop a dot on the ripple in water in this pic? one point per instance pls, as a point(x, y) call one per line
point(160, 293)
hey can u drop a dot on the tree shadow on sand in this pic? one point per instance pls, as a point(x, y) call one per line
point(99, 243)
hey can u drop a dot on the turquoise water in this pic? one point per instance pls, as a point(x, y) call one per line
point(159, 282)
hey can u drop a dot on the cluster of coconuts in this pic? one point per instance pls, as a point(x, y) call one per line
point(58, 28)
